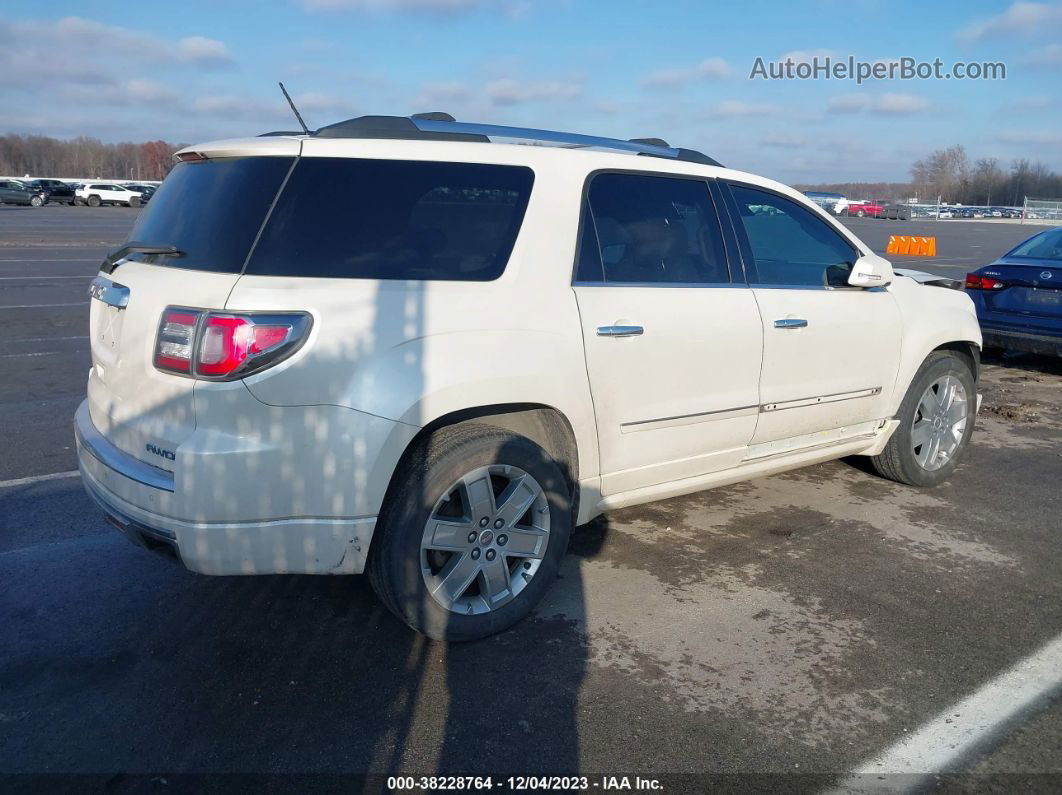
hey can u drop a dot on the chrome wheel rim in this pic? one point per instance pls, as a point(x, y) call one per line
point(485, 539)
point(939, 423)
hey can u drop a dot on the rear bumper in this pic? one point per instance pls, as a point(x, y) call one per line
point(1022, 341)
point(135, 497)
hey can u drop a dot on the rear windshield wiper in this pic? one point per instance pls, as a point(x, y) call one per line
point(137, 248)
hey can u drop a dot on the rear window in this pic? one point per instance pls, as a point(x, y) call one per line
point(211, 210)
point(393, 219)
point(1046, 245)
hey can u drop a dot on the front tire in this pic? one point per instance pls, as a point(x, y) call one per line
point(936, 422)
point(36, 201)
point(472, 534)
point(134, 202)
point(94, 201)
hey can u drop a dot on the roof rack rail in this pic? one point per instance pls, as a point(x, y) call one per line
point(439, 126)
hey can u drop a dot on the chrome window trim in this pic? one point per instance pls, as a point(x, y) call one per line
point(660, 284)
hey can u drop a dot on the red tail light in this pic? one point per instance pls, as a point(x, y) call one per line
point(975, 282)
point(225, 346)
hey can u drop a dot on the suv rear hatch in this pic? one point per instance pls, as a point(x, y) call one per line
point(211, 211)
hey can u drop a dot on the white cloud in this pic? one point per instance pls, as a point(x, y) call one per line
point(1021, 19)
point(1031, 137)
point(735, 108)
point(847, 103)
point(808, 56)
point(900, 104)
point(1051, 55)
point(672, 78)
point(886, 104)
point(1035, 102)
point(512, 92)
point(201, 50)
point(433, 96)
point(782, 140)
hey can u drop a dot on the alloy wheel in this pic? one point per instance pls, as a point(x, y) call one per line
point(940, 422)
point(485, 539)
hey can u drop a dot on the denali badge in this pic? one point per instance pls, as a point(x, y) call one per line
point(167, 454)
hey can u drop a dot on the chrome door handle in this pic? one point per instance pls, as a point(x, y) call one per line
point(620, 331)
point(790, 322)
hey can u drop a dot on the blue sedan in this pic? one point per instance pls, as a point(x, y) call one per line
point(1019, 296)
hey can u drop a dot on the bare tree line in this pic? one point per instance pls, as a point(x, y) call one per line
point(949, 174)
point(41, 156)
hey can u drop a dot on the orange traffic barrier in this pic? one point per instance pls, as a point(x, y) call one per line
point(908, 246)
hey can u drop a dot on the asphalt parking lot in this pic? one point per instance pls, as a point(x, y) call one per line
point(780, 633)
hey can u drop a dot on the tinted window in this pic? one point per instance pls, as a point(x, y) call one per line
point(394, 219)
point(650, 229)
point(790, 244)
point(211, 211)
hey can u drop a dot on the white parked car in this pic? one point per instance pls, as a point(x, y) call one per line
point(96, 193)
point(482, 346)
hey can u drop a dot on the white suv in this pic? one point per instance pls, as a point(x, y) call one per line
point(413, 350)
point(96, 193)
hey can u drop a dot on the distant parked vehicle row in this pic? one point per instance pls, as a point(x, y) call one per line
point(58, 192)
point(875, 209)
point(15, 192)
point(95, 194)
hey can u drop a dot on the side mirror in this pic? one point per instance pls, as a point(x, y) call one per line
point(870, 270)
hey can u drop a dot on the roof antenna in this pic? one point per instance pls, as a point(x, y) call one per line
point(294, 110)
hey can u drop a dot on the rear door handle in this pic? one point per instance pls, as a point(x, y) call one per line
point(791, 322)
point(620, 331)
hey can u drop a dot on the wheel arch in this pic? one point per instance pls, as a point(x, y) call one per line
point(969, 351)
point(545, 425)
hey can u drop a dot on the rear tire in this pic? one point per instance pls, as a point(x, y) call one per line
point(409, 571)
point(94, 201)
point(904, 458)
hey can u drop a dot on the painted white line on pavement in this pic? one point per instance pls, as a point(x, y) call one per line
point(949, 738)
point(39, 278)
point(42, 306)
point(41, 353)
point(48, 339)
point(73, 473)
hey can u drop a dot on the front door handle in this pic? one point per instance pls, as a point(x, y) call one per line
point(791, 322)
point(620, 331)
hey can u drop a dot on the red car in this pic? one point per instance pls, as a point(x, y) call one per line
point(870, 208)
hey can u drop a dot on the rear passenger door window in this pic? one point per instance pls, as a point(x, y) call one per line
point(647, 229)
point(789, 245)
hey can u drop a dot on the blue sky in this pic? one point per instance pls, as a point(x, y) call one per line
point(199, 70)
